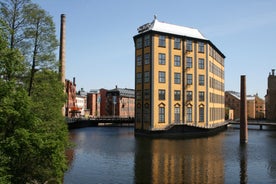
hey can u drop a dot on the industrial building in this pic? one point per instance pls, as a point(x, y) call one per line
point(179, 78)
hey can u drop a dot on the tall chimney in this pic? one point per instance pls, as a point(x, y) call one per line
point(243, 112)
point(62, 49)
point(273, 71)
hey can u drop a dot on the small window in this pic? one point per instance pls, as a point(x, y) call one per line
point(139, 77)
point(161, 94)
point(177, 94)
point(147, 41)
point(147, 93)
point(139, 60)
point(162, 59)
point(189, 79)
point(147, 58)
point(177, 79)
point(189, 96)
point(177, 61)
point(162, 77)
point(177, 43)
point(201, 63)
point(189, 45)
point(139, 43)
point(201, 80)
point(189, 62)
point(201, 96)
point(138, 95)
point(162, 41)
point(201, 47)
point(147, 76)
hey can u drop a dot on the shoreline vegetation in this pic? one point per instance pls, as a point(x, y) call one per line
point(33, 133)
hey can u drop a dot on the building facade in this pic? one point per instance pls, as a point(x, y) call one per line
point(120, 102)
point(270, 98)
point(179, 78)
point(70, 106)
point(255, 105)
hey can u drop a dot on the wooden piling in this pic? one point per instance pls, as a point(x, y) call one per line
point(243, 112)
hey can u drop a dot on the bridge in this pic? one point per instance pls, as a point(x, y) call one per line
point(255, 123)
point(99, 121)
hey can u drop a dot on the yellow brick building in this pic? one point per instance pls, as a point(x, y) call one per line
point(179, 78)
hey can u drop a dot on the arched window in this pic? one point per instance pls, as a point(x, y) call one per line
point(161, 113)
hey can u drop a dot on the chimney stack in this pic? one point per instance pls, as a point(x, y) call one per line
point(273, 71)
point(62, 49)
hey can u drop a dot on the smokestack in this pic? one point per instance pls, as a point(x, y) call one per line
point(273, 71)
point(243, 112)
point(62, 49)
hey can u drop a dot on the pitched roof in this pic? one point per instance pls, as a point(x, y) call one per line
point(155, 25)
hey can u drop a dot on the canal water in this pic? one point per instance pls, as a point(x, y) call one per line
point(115, 155)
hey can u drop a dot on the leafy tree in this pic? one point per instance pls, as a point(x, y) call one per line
point(33, 133)
point(12, 14)
point(40, 42)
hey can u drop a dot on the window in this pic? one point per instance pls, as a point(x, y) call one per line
point(177, 79)
point(139, 78)
point(147, 41)
point(139, 60)
point(161, 114)
point(162, 77)
point(177, 43)
point(189, 62)
point(177, 94)
point(201, 63)
point(189, 45)
point(147, 93)
point(201, 80)
point(201, 47)
point(189, 95)
point(189, 114)
point(146, 76)
point(162, 41)
point(162, 59)
point(147, 58)
point(177, 61)
point(189, 79)
point(139, 43)
point(162, 94)
point(201, 96)
point(176, 114)
point(201, 114)
point(138, 95)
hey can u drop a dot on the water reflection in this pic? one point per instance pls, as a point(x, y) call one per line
point(115, 155)
point(179, 161)
point(243, 163)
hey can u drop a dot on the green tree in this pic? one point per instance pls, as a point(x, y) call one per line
point(40, 41)
point(12, 14)
point(33, 133)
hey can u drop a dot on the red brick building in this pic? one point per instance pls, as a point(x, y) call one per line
point(96, 102)
point(70, 106)
point(270, 98)
point(120, 102)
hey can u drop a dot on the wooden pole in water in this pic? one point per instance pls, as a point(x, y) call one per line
point(243, 112)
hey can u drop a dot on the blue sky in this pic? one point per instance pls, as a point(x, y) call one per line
point(100, 47)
